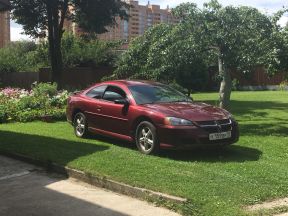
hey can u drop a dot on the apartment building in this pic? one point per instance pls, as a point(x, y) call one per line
point(4, 28)
point(141, 18)
point(4, 5)
point(4, 23)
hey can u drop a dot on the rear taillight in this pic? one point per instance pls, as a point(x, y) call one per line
point(68, 100)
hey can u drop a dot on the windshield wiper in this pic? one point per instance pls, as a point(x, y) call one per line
point(179, 101)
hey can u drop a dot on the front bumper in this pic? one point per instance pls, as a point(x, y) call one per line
point(192, 136)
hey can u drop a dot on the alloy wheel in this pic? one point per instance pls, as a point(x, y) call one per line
point(146, 139)
point(79, 125)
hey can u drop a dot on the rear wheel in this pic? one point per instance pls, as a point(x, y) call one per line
point(80, 125)
point(146, 138)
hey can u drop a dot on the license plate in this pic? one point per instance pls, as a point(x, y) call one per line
point(220, 136)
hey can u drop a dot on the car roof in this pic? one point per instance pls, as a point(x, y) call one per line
point(132, 82)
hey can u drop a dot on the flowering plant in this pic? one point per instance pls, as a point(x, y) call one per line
point(23, 105)
point(14, 93)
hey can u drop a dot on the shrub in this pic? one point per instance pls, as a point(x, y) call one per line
point(78, 51)
point(3, 114)
point(24, 106)
point(60, 99)
point(21, 56)
point(46, 89)
point(235, 85)
point(283, 86)
point(27, 115)
point(55, 114)
point(29, 103)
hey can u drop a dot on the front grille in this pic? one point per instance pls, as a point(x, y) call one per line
point(216, 126)
point(205, 123)
point(224, 121)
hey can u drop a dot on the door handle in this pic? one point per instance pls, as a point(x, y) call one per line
point(98, 108)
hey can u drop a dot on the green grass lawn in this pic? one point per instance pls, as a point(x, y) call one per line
point(217, 182)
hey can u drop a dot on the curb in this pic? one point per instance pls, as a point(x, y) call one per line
point(98, 181)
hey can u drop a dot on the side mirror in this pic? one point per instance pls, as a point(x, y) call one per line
point(122, 101)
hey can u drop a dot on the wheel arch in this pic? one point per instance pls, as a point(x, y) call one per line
point(137, 121)
point(75, 111)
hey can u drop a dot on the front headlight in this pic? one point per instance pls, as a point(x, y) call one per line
point(173, 121)
point(230, 116)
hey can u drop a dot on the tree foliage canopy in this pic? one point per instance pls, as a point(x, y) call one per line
point(92, 16)
point(40, 17)
point(164, 53)
point(95, 16)
point(240, 37)
point(234, 38)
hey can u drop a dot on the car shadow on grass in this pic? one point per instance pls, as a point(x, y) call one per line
point(47, 149)
point(233, 153)
point(265, 129)
point(112, 141)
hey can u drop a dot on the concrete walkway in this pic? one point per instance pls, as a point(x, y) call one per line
point(26, 190)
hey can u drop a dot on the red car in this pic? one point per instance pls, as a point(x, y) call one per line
point(152, 115)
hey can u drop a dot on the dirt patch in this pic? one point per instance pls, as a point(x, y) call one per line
point(269, 205)
point(284, 214)
point(273, 208)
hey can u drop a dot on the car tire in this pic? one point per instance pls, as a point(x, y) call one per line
point(146, 138)
point(80, 125)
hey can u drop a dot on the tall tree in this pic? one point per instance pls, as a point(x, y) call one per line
point(239, 37)
point(42, 18)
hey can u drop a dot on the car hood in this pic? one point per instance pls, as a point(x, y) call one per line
point(191, 111)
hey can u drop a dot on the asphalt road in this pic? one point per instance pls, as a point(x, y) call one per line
point(26, 190)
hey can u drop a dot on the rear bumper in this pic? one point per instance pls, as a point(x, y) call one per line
point(69, 115)
point(189, 137)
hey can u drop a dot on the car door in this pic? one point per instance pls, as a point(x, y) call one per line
point(114, 117)
point(93, 106)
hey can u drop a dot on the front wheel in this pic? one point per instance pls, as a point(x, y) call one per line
point(146, 138)
point(80, 125)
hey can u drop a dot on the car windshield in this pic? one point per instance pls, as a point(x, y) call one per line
point(147, 94)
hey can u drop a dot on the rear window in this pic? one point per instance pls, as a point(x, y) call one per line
point(113, 93)
point(97, 92)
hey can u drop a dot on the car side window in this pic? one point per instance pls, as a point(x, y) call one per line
point(113, 93)
point(97, 92)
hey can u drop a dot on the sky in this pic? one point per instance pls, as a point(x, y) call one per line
point(267, 6)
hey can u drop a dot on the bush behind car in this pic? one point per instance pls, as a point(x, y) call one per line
point(24, 106)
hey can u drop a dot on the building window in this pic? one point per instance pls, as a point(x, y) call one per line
point(126, 29)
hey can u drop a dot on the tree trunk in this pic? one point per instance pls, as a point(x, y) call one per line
point(51, 38)
point(54, 38)
point(57, 48)
point(226, 84)
point(189, 92)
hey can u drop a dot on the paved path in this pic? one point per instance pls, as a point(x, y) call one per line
point(26, 190)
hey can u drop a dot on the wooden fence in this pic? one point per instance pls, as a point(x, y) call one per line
point(258, 78)
point(19, 79)
point(71, 77)
point(78, 78)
